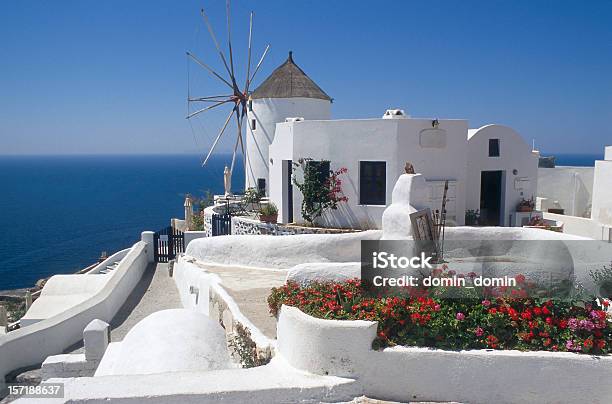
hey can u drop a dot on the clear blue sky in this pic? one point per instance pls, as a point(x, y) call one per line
point(84, 76)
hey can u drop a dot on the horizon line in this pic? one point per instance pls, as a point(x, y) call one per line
point(601, 153)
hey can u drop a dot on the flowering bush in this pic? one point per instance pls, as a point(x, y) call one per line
point(502, 322)
point(321, 188)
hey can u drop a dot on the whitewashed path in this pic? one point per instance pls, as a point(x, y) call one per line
point(155, 291)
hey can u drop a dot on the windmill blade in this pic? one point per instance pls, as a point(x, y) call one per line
point(210, 97)
point(242, 143)
point(204, 99)
point(248, 71)
point(229, 37)
point(259, 64)
point(239, 121)
point(204, 65)
point(218, 137)
point(235, 149)
point(206, 109)
point(214, 38)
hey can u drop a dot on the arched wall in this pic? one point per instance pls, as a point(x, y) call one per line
point(515, 154)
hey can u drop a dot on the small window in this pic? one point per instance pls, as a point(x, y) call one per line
point(261, 186)
point(250, 105)
point(493, 147)
point(372, 183)
point(253, 124)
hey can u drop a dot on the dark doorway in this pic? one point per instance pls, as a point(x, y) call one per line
point(490, 198)
point(289, 185)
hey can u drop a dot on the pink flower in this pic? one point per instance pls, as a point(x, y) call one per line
point(460, 316)
point(486, 303)
point(572, 346)
point(479, 332)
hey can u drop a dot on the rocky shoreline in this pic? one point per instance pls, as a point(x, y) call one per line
point(14, 300)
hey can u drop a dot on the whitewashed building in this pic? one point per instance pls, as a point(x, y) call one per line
point(489, 169)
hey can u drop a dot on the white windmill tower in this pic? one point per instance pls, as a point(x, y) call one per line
point(287, 92)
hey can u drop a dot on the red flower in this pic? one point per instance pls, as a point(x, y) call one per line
point(492, 341)
point(520, 279)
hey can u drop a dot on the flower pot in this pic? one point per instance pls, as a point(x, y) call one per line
point(269, 218)
point(524, 209)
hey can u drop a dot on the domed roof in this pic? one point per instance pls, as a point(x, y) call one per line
point(173, 340)
point(289, 81)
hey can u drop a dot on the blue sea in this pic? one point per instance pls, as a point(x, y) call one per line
point(580, 160)
point(58, 213)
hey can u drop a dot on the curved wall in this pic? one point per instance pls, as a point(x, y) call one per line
point(280, 252)
point(409, 374)
point(31, 345)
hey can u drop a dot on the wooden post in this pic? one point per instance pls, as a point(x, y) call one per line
point(28, 300)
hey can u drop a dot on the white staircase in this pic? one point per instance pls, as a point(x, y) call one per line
point(110, 268)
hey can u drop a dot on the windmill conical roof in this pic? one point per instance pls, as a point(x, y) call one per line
point(289, 81)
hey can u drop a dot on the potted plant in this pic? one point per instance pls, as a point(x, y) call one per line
point(472, 217)
point(268, 213)
point(525, 205)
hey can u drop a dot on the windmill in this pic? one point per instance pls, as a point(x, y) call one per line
point(237, 97)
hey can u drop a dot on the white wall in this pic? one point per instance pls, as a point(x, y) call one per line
point(582, 226)
point(31, 345)
point(602, 190)
point(515, 153)
point(267, 112)
point(343, 348)
point(64, 291)
point(280, 252)
point(191, 235)
point(572, 187)
point(196, 287)
point(347, 142)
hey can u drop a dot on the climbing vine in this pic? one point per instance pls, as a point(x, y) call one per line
point(321, 187)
